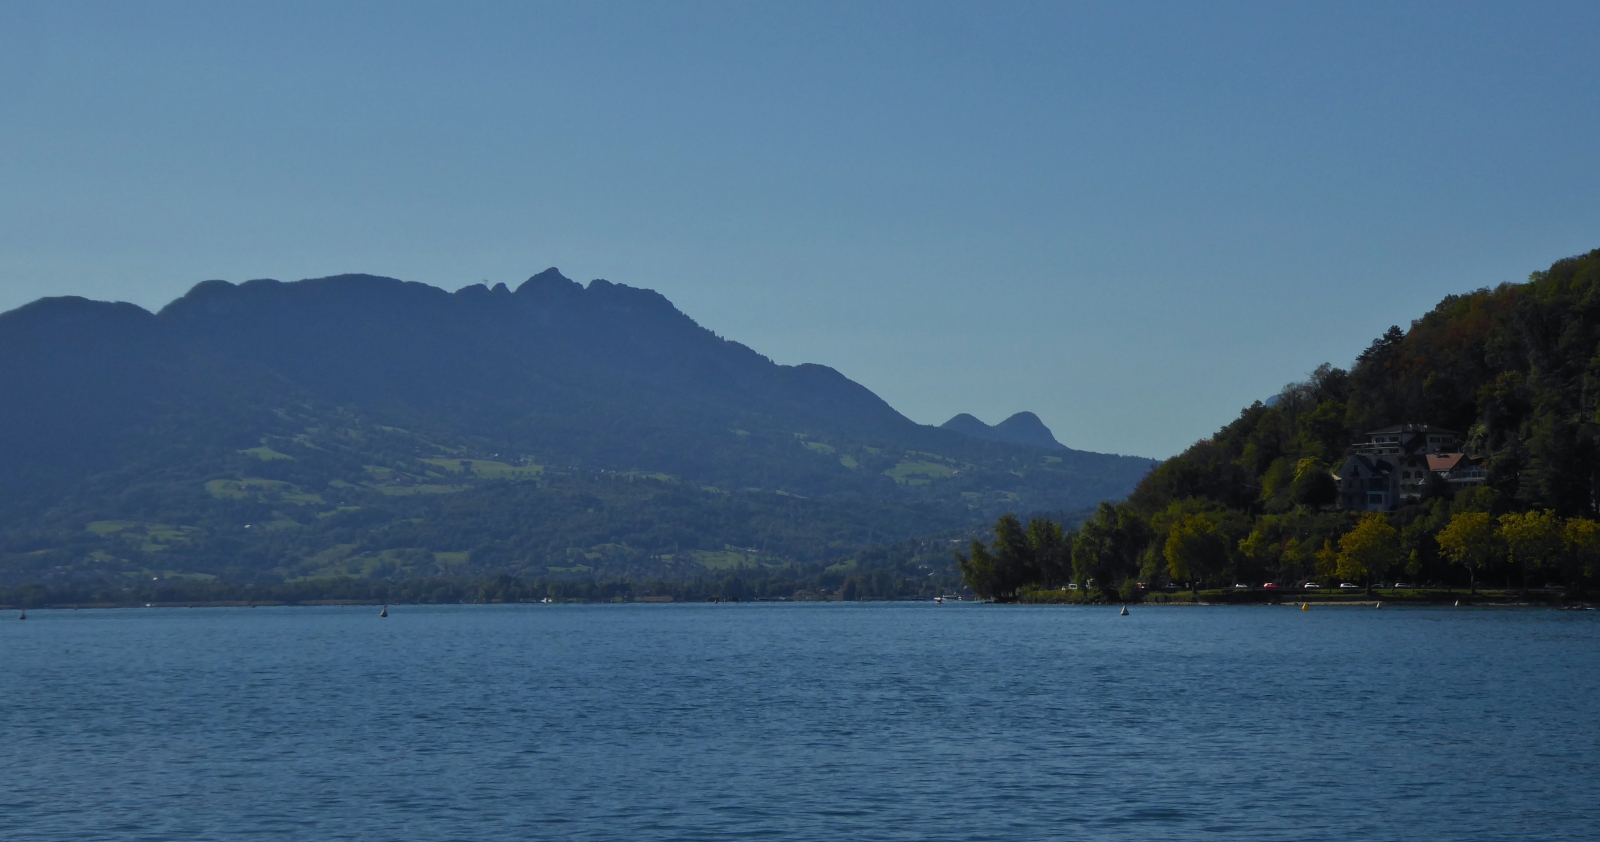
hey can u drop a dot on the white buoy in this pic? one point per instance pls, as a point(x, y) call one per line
point(1124, 610)
point(384, 612)
point(1458, 603)
point(1379, 605)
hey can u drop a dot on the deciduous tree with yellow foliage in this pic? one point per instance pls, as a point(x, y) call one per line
point(1582, 556)
point(1369, 550)
point(1469, 540)
point(1534, 539)
point(1195, 549)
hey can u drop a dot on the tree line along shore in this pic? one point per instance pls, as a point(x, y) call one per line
point(887, 582)
point(1116, 556)
point(1462, 451)
point(731, 588)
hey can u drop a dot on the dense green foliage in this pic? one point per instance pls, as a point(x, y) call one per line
point(1515, 368)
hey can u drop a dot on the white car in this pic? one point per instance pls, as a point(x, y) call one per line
point(1346, 586)
point(1312, 586)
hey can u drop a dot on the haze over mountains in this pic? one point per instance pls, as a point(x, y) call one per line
point(358, 425)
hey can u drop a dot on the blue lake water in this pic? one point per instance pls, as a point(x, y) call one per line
point(807, 721)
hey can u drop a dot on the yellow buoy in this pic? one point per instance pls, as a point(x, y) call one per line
point(1305, 606)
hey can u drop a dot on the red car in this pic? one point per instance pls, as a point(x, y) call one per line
point(1271, 586)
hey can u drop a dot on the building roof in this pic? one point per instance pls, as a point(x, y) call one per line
point(1371, 463)
point(1411, 428)
point(1441, 462)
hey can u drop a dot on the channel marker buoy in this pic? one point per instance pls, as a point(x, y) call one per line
point(1124, 610)
point(22, 616)
point(1305, 606)
point(384, 612)
point(1378, 605)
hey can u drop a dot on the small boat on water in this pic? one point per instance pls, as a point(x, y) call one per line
point(938, 600)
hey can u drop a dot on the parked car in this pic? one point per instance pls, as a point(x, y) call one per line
point(1398, 585)
point(1312, 586)
point(1241, 587)
point(1271, 586)
point(1346, 586)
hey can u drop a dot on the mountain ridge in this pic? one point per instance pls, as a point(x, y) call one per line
point(310, 404)
point(1023, 428)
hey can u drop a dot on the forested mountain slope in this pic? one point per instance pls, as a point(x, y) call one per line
point(1515, 370)
point(369, 426)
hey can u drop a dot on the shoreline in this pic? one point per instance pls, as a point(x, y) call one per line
point(1479, 603)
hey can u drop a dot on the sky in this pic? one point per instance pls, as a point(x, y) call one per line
point(1133, 219)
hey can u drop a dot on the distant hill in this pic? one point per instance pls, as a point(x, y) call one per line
point(365, 426)
point(1024, 428)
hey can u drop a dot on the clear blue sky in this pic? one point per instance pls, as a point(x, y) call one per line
point(1132, 219)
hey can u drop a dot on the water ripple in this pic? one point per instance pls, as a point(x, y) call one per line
point(802, 722)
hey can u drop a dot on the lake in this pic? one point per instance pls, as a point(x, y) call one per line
point(800, 721)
